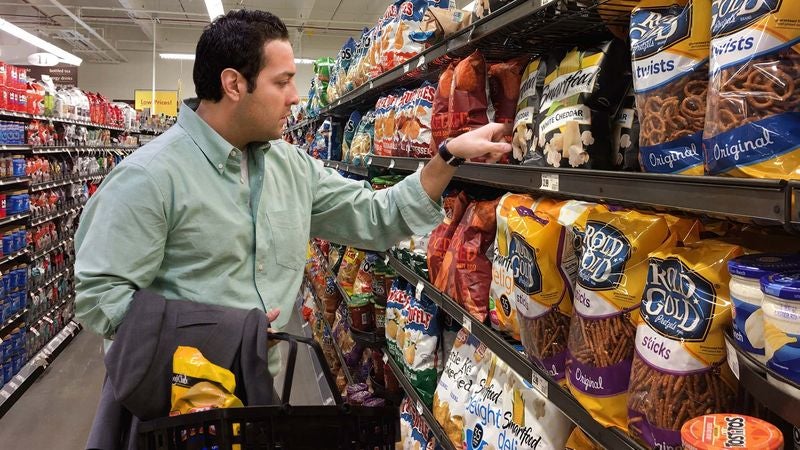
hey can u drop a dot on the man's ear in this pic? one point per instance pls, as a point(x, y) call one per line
point(233, 84)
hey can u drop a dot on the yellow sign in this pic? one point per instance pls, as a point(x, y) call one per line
point(166, 101)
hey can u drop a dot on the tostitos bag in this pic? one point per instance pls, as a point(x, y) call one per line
point(680, 369)
point(754, 90)
point(611, 278)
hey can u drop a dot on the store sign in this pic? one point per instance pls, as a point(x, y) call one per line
point(166, 101)
point(63, 75)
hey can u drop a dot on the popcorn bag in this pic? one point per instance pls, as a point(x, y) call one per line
point(669, 45)
point(611, 278)
point(523, 141)
point(680, 369)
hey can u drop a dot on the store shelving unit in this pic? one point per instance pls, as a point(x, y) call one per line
point(538, 377)
point(82, 149)
point(349, 168)
point(419, 405)
point(4, 113)
point(348, 376)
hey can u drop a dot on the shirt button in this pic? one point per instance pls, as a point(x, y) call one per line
point(260, 267)
point(242, 180)
point(220, 166)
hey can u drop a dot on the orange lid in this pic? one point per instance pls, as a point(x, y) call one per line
point(730, 431)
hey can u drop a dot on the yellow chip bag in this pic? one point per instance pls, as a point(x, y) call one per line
point(679, 369)
point(611, 277)
point(199, 385)
point(686, 231)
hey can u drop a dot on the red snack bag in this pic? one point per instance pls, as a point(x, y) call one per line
point(418, 132)
point(440, 118)
point(468, 106)
point(466, 272)
point(454, 206)
point(504, 84)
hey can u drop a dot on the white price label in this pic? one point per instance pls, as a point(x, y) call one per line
point(406, 67)
point(391, 164)
point(369, 161)
point(13, 385)
point(466, 323)
point(420, 288)
point(370, 85)
point(337, 167)
point(421, 61)
point(49, 320)
point(539, 383)
point(549, 182)
point(4, 394)
point(386, 258)
point(385, 358)
point(419, 407)
point(33, 330)
point(19, 378)
point(733, 359)
point(545, 2)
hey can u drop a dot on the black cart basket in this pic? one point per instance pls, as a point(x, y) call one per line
point(339, 426)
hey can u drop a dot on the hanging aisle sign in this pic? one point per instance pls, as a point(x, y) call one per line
point(166, 101)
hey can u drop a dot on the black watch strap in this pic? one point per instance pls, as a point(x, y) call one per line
point(448, 157)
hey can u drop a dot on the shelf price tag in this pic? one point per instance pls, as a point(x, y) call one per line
point(539, 383)
point(419, 407)
point(466, 323)
point(391, 164)
point(386, 358)
point(386, 259)
point(421, 61)
point(34, 331)
point(49, 320)
point(420, 288)
point(369, 161)
point(545, 2)
point(549, 182)
point(5, 394)
point(406, 67)
point(420, 165)
point(733, 359)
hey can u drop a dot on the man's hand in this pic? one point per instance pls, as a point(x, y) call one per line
point(486, 141)
point(483, 142)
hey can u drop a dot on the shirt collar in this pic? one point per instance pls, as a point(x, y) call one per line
point(216, 149)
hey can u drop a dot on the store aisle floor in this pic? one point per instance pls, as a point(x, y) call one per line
point(56, 412)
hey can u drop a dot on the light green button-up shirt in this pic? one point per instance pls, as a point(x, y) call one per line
point(177, 217)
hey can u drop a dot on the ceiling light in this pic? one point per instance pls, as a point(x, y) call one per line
point(186, 56)
point(215, 9)
point(43, 59)
point(470, 6)
point(16, 31)
point(303, 61)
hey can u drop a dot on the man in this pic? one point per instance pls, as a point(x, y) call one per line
point(219, 210)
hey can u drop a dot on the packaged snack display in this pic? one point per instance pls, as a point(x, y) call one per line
point(415, 434)
point(751, 128)
point(396, 316)
point(350, 128)
point(746, 296)
point(729, 431)
point(502, 306)
point(420, 339)
point(504, 88)
point(401, 47)
point(680, 369)
point(402, 123)
point(454, 204)
point(385, 117)
point(782, 328)
point(419, 133)
point(466, 272)
point(469, 106)
point(440, 116)
point(363, 139)
point(669, 43)
point(349, 268)
point(612, 275)
point(504, 411)
point(454, 387)
point(580, 96)
point(523, 142)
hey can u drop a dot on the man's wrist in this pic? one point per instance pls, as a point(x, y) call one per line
point(447, 156)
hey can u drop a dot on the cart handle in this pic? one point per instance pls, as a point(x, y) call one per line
point(326, 371)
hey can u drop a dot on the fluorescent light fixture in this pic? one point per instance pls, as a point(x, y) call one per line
point(18, 32)
point(185, 56)
point(470, 6)
point(303, 61)
point(215, 9)
point(43, 59)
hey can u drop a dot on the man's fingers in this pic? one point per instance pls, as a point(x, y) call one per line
point(273, 314)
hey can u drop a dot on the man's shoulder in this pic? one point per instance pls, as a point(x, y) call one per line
point(161, 149)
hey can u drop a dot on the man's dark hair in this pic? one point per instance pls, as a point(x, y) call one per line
point(235, 40)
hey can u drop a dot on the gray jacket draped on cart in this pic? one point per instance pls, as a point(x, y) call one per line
point(139, 363)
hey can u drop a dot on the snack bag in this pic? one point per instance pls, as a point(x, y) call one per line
point(580, 96)
point(346, 57)
point(611, 278)
point(751, 127)
point(402, 47)
point(440, 114)
point(383, 107)
point(469, 106)
point(362, 45)
point(420, 344)
point(543, 263)
point(387, 28)
point(578, 440)
point(669, 44)
point(680, 369)
point(363, 280)
point(396, 313)
point(350, 128)
point(466, 272)
point(525, 133)
point(403, 120)
point(455, 385)
point(454, 205)
point(439, 23)
point(625, 136)
point(686, 230)
point(363, 139)
point(199, 385)
point(415, 434)
point(504, 88)
point(419, 132)
point(506, 412)
point(502, 309)
point(349, 269)
point(362, 70)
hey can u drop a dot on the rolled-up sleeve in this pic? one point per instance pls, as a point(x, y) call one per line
point(349, 212)
point(119, 246)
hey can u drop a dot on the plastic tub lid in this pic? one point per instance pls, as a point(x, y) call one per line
point(784, 285)
point(730, 431)
point(761, 264)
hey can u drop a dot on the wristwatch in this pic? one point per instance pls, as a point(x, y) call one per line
point(448, 157)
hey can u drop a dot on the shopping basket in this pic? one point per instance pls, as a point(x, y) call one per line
point(339, 426)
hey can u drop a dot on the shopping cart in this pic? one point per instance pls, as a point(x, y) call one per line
point(340, 426)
